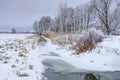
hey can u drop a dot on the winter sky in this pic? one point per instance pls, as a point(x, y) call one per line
point(25, 12)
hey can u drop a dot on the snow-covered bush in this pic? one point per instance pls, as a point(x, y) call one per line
point(88, 40)
point(81, 42)
point(93, 34)
point(65, 39)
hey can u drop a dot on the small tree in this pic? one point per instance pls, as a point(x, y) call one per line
point(13, 30)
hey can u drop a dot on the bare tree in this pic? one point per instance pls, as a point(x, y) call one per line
point(116, 22)
point(69, 20)
point(97, 13)
point(62, 15)
point(57, 25)
point(44, 24)
point(102, 8)
point(115, 19)
point(35, 27)
point(84, 17)
point(89, 16)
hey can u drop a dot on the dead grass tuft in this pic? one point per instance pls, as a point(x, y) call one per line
point(49, 35)
point(23, 75)
point(88, 41)
point(34, 38)
point(83, 47)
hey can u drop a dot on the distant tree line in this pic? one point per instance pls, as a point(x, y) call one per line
point(14, 31)
point(101, 14)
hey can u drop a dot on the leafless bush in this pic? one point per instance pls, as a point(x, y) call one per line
point(88, 40)
point(85, 41)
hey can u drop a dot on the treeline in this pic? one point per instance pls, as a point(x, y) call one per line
point(101, 14)
point(14, 31)
point(8, 32)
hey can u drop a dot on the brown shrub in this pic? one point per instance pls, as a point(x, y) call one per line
point(88, 41)
point(83, 47)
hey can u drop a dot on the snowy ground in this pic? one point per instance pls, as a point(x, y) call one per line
point(19, 61)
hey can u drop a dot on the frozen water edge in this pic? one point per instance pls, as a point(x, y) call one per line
point(60, 70)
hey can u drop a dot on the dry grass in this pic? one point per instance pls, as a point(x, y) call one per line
point(52, 35)
point(34, 43)
point(83, 47)
point(49, 35)
point(31, 67)
point(23, 75)
point(83, 42)
point(34, 40)
point(88, 41)
point(62, 40)
point(21, 55)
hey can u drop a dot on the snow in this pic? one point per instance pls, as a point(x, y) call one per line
point(19, 61)
point(28, 64)
point(13, 36)
point(105, 57)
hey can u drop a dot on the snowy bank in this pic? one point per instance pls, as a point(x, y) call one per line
point(104, 57)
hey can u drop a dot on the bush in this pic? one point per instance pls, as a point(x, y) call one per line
point(63, 39)
point(85, 41)
point(88, 40)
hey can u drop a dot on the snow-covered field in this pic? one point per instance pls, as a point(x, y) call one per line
point(19, 61)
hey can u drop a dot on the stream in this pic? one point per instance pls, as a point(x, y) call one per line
point(56, 69)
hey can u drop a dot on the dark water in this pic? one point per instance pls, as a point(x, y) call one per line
point(51, 75)
point(60, 70)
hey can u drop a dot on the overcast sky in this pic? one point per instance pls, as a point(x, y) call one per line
point(25, 12)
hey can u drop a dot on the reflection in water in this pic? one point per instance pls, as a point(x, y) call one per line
point(90, 76)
